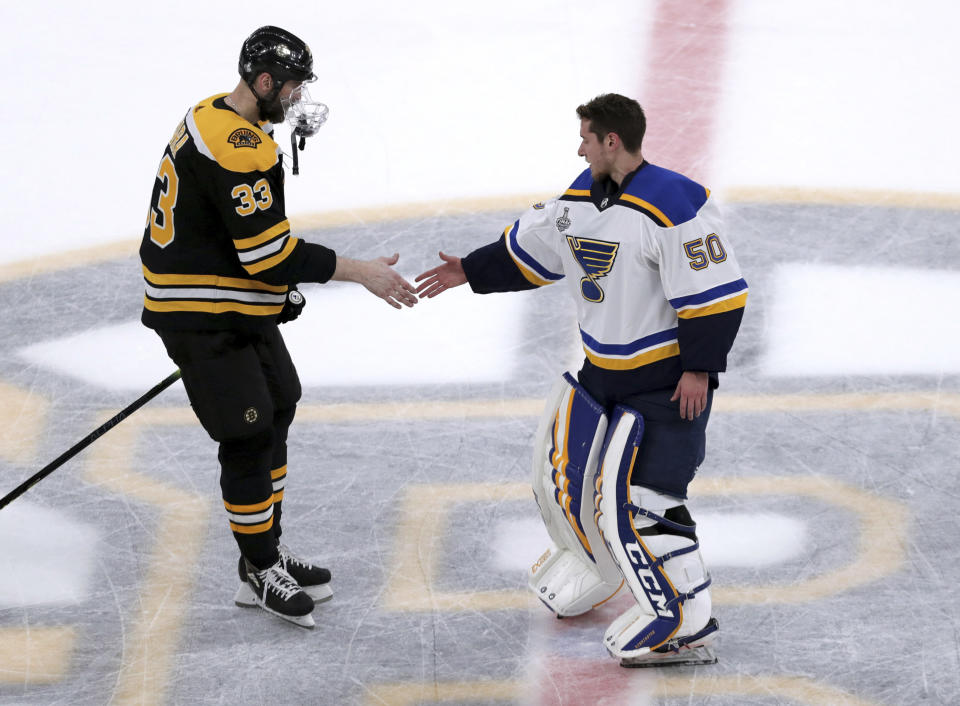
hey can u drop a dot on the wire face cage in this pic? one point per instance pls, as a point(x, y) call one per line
point(305, 117)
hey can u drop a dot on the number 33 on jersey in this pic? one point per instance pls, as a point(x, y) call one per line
point(216, 227)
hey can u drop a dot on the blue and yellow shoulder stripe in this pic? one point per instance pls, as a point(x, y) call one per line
point(580, 189)
point(666, 197)
point(232, 142)
point(716, 300)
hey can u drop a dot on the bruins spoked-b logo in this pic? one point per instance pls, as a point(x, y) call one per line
point(596, 258)
point(244, 137)
point(251, 415)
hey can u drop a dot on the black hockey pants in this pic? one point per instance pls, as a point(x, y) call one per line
point(244, 389)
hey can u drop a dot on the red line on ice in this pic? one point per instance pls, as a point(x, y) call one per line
point(681, 95)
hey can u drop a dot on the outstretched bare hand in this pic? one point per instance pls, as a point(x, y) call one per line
point(379, 277)
point(441, 278)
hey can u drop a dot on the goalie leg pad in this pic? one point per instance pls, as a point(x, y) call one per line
point(579, 573)
point(567, 585)
point(671, 534)
point(658, 556)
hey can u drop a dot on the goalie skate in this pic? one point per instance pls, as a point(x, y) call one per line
point(682, 652)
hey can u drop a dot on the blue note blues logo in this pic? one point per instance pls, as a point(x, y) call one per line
point(596, 258)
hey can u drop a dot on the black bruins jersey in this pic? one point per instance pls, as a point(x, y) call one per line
point(217, 251)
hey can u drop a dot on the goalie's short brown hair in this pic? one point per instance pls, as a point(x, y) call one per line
point(611, 112)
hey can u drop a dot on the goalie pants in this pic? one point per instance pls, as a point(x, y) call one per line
point(244, 389)
point(672, 448)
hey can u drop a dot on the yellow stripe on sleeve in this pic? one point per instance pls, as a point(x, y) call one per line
point(269, 234)
point(737, 302)
point(527, 273)
point(529, 276)
point(275, 260)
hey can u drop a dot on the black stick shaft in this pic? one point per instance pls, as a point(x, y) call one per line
point(88, 439)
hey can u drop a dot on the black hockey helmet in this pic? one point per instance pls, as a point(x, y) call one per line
point(278, 52)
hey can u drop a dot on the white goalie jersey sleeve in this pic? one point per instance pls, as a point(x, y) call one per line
point(532, 244)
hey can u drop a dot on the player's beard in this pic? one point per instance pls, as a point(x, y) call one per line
point(598, 173)
point(272, 111)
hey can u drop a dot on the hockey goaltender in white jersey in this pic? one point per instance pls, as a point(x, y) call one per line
point(659, 298)
point(633, 270)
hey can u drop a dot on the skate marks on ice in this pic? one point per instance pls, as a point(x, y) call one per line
point(423, 608)
point(427, 513)
point(23, 415)
point(423, 535)
point(481, 352)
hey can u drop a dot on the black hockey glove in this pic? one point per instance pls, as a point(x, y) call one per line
point(292, 307)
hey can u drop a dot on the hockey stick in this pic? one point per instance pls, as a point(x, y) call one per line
point(88, 439)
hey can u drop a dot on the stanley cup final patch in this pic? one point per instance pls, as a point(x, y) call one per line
point(564, 221)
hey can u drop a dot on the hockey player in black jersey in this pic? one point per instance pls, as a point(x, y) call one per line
point(220, 267)
point(659, 297)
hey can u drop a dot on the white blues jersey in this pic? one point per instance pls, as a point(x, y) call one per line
point(653, 274)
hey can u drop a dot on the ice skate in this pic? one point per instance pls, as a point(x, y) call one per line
point(683, 651)
point(315, 580)
point(274, 590)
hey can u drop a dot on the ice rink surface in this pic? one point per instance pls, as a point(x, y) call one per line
point(828, 505)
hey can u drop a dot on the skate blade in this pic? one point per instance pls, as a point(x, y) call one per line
point(246, 598)
point(304, 621)
point(688, 657)
point(320, 594)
